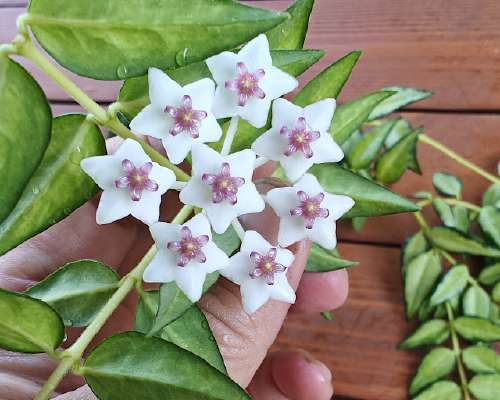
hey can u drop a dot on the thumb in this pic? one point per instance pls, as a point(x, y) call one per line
point(83, 393)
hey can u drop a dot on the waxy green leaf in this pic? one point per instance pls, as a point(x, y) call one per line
point(412, 247)
point(436, 364)
point(476, 302)
point(291, 33)
point(447, 184)
point(432, 332)
point(228, 241)
point(455, 241)
point(322, 260)
point(146, 311)
point(24, 132)
point(370, 199)
point(131, 366)
point(368, 148)
point(192, 333)
point(349, 117)
point(477, 330)
point(421, 275)
point(481, 360)
point(490, 274)
point(174, 303)
point(445, 213)
point(394, 162)
point(59, 185)
point(400, 129)
point(462, 220)
point(495, 294)
point(402, 97)
point(118, 42)
point(489, 220)
point(77, 291)
point(485, 387)
point(443, 390)
point(491, 196)
point(329, 82)
point(28, 325)
point(451, 285)
point(327, 315)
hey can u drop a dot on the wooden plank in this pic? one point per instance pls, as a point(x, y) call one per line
point(449, 47)
point(359, 345)
point(474, 136)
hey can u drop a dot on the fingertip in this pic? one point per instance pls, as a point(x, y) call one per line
point(320, 291)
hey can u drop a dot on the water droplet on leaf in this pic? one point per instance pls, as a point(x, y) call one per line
point(181, 57)
point(204, 324)
point(122, 71)
point(35, 190)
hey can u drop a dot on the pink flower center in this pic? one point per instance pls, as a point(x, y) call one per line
point(185, 118)
point(309, 208)
point(224, 186)
point(299, 138)
point(189, 247)
point(246, 84)
point(265, 266)
point(136, 179)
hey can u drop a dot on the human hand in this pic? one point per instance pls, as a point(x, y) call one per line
point(244, 340)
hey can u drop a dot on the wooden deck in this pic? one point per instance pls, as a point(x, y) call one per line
point(451, 47)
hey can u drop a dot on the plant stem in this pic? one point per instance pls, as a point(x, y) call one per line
point(454, 156)
point(422, 222)
point(466, 204)
point(28, 50)
point(231, 132)
point(458, 353)
point(73, 354)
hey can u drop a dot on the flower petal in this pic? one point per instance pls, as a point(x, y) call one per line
point(309, 184)
point(319, 115)
point(222, 66)
point(114, 204)
point(270, 144)
point(163, 90)
point(285, 257)
point(225, 103)
point(196, 193)
point(338, 205)
point(242, 164)
point(132, 150)
point(221, 215)
point(282, 200)
point(276, 83)
point(161, 269)
point(190, 280)
point(202, 94)
point(285, 113)
point(237, 269)
point(164, 233)
point(291, 230)
point(326, 150)
point(254, 294)
point(216, 258)
point(255, 54)
point(296, 165)
point(253, 241)
point(249, 200)
point(281, 290)
point(163, 176)
point(104, 170)
point(256, 111)
point(177, 147)
point(147, 209)
point(323, 233)
point(199, 225)
point(210, 130)
point(151, 121)
point(205, 160)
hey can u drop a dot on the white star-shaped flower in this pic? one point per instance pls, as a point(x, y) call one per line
point(299, 137)
point(260, 269)
point(307, 211)
point(186, 254)
point(247, 82)
point(132, 184)
point(179, 116)
point(222, 186)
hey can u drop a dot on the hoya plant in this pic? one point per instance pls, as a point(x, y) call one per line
point(210, 94)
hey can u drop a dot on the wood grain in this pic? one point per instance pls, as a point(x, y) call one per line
point(451, 47)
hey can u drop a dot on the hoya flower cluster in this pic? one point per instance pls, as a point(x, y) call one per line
point(221, 186)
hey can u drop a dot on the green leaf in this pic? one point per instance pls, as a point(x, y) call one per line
point(358, 223)
point(412, 247)
point(228, 241)
point(490, 275)
point(192, 333)
point(432, 332)
point(329, 82)
point(491, 196)
point(402, 97)
point(327, 315)
point(394, 162)
point(477, 330)
point(451, 285)
point(462, 220)
point(445, 213)
point(485, 387)
point(24, 131)
point(447, 184)
point(495, 294)
point(59, 185)
point(368, 148)
point(134, 94)
point(476, 302)
point(455, 241)
point(28, 325)
point(489, 220)
point(146, 311)
point(77, 291)
point(425, 311)
point(349, 117)
point(443, 390)
point(322, 260)
point(481, 360)
point(174, 303)
point(117, 42)
point(131, 366)
point(370, 199)
point(349, 144)
point(419, 280)
point(291, 33)
point(436, 364)
point(400, 129)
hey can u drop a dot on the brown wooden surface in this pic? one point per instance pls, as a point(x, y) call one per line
point(451, 47)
